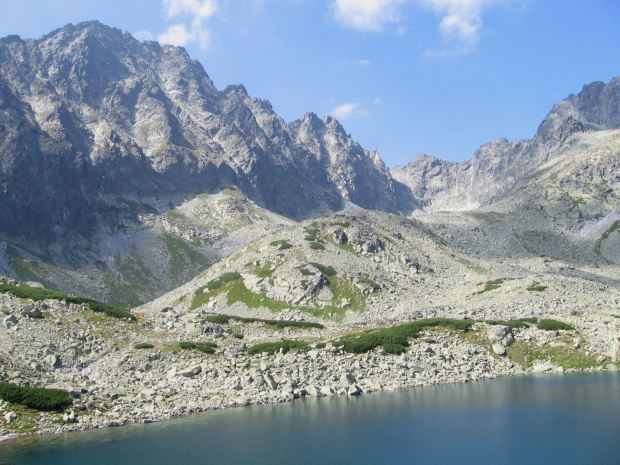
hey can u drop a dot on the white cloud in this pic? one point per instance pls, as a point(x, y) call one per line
point(357, 62)
point(461, 21)
point(144, 34)
point(203, 10)
point(460, 24)
point(367, 15)
point(349, 110)
point(194, 11)
point(176, 35)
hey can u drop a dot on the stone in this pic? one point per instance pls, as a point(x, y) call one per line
point(496, 333)
point(354, 390)
point(191, 371)
point(601, 359)
point(9, 321)
point(499, 349)
point(347, 379)
point(10, 417)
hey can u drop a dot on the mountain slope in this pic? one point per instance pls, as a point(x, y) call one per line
point(499, 165)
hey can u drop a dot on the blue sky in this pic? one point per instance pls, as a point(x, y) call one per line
point(404, 76)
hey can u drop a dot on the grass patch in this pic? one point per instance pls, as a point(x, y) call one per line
point(326, 270)
point(224, 319)
point(395, 339)
point(37, 294)
point(273, 347)
point(536, 288)
point(187, 345)
point(201, 297)
point(36, 398)
point(343, 224)
point(144, 345)
point(237, 335)
point(371, 283)
point(282, 244)
point(317, 246)
point(554, 325)
point(527, 354)
point(310, 234)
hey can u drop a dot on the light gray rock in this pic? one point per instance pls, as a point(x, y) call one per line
point(499, 349)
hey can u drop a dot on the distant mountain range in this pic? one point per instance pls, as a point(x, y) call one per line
point(124, 171)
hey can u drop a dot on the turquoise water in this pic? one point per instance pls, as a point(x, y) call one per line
point(570, 419)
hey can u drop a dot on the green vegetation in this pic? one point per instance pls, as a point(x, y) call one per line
point(326, 270)
point(317, 246)
point(536, 288)
point(343, 224)
point(36, 294)
point(554, 325)
point(371, 283)
point(311, 234)
point(273, 347)
point(567, 357)
point(518, 323)
point(491, 286)
point(37, 398)
point(144, 345)
point(206, 347)
point(282, 244)
point(182, 256)
point(224, 319)
point(395, 339)
point(238, 335)
point(35, 314)
point(614, 227)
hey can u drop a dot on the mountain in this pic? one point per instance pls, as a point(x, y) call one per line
point(98, 131)
point(124, 172)
point(499, 165)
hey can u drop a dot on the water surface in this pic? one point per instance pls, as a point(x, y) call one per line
point(570, 419)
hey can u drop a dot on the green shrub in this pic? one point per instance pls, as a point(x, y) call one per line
point(273, 347)
point(37, 294)
point(317, 246)
point(395, 339)
point(554, 325)
point(37, 398)
point(35, 314)
point(224, 319)
point(144, 345)
point(218, 319)
point(231, 276)
point(187, 345)
point(326, 270)
point(311, 234)
point(371, 283)
point(282, 244)
point(206, 348)
point(238, 335)
point(212, 285)
point(536, 288)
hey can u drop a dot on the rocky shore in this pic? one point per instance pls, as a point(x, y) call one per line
point(95, 359)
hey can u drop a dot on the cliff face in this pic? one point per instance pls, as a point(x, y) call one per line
point(498, 166)
point(89, 116)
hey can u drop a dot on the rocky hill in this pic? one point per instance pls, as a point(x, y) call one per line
point(99, 131)
point(125, 173)
point(499, 165)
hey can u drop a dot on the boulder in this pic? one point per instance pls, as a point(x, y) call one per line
point(10, 417)
point(9, 321)
point(499, 349)
point(496, 333)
